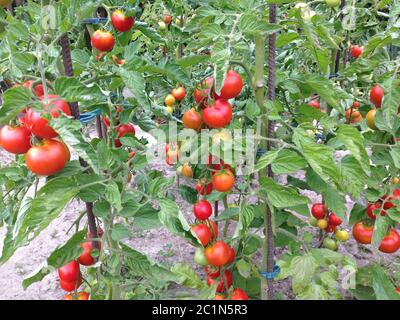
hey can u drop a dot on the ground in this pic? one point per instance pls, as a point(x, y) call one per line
point(152, 243)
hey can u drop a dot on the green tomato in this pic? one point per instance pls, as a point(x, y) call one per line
point(333, 3)
point(178, 22)
point(313, 221)
point(330, 244)
point(162, 25)
point(179, 170)
point(199, 257)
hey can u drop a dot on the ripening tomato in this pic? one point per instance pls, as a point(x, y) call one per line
point(202, 232)
point(322, 224)
point(223, 284)
point(353, 116)
point(218, 253)
point(199, 257)
point(333, 3)
point(202, 209)
point(390, 243)
point(334, 220)
point(315, 104)
point(172, 154)
point(38, 89)
point(121, 22)
point(103, 40)
point(218, 114)
point(219, 296)
point(169, 100)
point(203, 187)
point(167, 19)
point(47, 158)
point(16, 139)
point(232, 85)
point(342, 235)
point(71, 285)
point(123, 129)
point(363, 233)
point(223, 181)
point(78, 296)
point(179, 93)
point(356, 51)
point(192, 119)
point(202, 92)
point(187, 170)
point(319, 210)
point(86, 258)
point(370, 119)
point(376, 95)
point(239, 294)
point(69, 272)
point(373, 206)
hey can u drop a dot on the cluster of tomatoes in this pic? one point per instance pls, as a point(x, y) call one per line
point(70, 274)
point(363, 231)
point(176, 94)
point(330, 223)
point(45, 154)
point(216, 255)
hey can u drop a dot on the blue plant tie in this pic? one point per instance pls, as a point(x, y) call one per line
point(95, 20)
point(333, 75)
point(271, 275)
point(90, 116)
point(260, 152)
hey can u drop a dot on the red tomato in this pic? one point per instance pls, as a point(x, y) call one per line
point(202, 92)
point(106, 121)
point(86, 258)
point(223, 181)
point(390, 243)
point(354, 115)
point(103, 40)
point(334, 220)
point(330, 228)
point(315, 104)
point(212, 271)
point(116, 60)
point(78, 296)
point(123, 129)
point(179, 93)
point(214, 229)
point(38, 89)
point(69, 272)
point(132, 154)
point(16, 140)
point(203, 187)
point(232, 255)
point(223, 284)
point(192, 119)
point(217, 254)
point(363, 233)
point(356, 51)
point(373, 206)
point(217, 115)
point(47, 158)
point(121, 22)
point(398, 290)
point(356, 104)
point(167, 19)
point(38, 125)
point(71, 285)
point(376, 95)
point(319, 210)
point(239, 294)
point(202, 232)
point(202, 210)
point(232, 85)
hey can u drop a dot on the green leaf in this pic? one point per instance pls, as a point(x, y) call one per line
point(71, 89)
point(187, 277)
point(69, 131)
point(137, 85)
point(251, 25)
point(280, 196)
point(381, 227)
point(302, 269)
point(14, 101)
point(227, 214)
point(352, 176)
point(113, 195)
point(119, 232)
point(354, 142)
point(244, 268)
point(265, 160)
point(188, 193)
point(246, 216)
point(149, 32)
point(160, 185)
point(35, 215)
point(383, 287)
point(288, 161)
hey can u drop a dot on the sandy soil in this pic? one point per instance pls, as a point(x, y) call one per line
point(152, 242)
